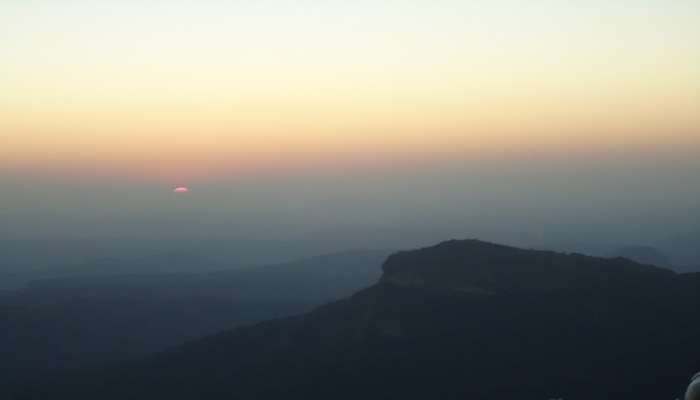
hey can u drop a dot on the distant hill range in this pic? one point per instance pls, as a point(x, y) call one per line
point(460, 320)
point(642, 254)
point(93, 320)
point(684, 250)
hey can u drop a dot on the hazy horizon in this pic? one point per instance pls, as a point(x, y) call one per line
point(290, 120)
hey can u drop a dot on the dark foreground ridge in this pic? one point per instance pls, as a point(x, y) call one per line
point(460, 320)
point(480, 267)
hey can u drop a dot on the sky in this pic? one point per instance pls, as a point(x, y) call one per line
point(320, 114)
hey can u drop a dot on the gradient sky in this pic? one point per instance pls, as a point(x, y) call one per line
point(121, 97)
point(194, 89)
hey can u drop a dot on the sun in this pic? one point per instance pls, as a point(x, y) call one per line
point(181, 189)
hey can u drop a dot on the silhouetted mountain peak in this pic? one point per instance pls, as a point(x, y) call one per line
point(549, 318)
point(475, 266)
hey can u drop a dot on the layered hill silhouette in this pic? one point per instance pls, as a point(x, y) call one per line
point(460, 320)
point(89, 321)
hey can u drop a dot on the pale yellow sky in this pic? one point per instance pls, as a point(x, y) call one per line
point(195, 89)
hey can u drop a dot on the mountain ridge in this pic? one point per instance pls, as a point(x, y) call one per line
point(579, 341)
point(485, 267)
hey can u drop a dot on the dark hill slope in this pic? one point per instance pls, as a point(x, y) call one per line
point(91, 321)
point(472, 265)
point(461, 320)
